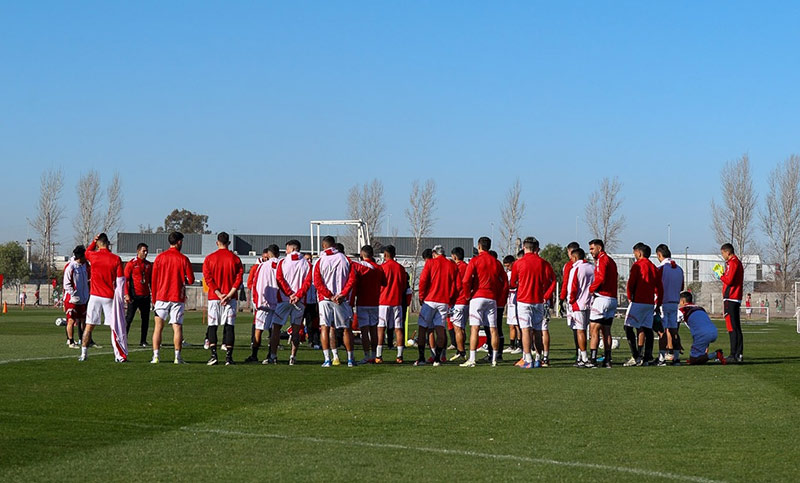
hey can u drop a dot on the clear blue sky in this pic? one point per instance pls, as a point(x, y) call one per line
point(262, 114)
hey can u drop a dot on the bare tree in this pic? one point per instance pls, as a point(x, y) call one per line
point(48, 213)
point(779, 219)
point(420, 216)
point(112, 221)
point(602, 213)
point(87, 221)
point(732, 222)
point(511, 215)
point(366, 202)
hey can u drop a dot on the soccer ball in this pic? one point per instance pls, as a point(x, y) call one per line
point(61, 322)
point(411, 343)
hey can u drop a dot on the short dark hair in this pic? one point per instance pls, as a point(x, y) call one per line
point(266, 250)
point(520, 253)
point(103, 239)
point(223, 238)
point(79, 251)
point(727, 247)
point(175, 237)
point(391, 250)
point(639, 247)
point(647, 251)
point(368, 251)
point(484, 243)
point(531, 243)
point(274, 250)
point(141, 245)
point(458, 252)
point(573, 245)
point(599, 243)
point(329, 240)
point(509, 259)
point(294, 243)
point(687, 296)
point(427, 254)
point(339, 247)
point(493, 253)
point(579, 252)
point(663, 250)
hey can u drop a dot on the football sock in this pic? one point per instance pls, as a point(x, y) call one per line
point(631, 336)
point(494, 356)
point(84, 351)
point(255, 351)
point(649, 340)
point(335, 353)
point(327, 354)
point(546, 355)
point(177, 354)
point(594, 354)
point(582, 356)
point(662, 355)
point(229, 355)
point(422, 352)
point(400, 351)
point(380, 350)
point(472, 355)
point(676, 354)
point(607, 355)
point(155, 354)
point(214, 352)
point(527, 357)
point(350, 355)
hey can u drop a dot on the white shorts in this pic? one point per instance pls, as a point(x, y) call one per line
point(367, 316)
point(460, 313)
point(578, 320)
point(531, 316)
point(170, 311)
point(639, 315)
point(96, 307)
point(669, 315)
point(390, 316)
point(512, 316)
point(264, 318)
point(433, 314)
point(335, 315)
point(219, 314)
point(700, 343)
point(286, 311)
point(603, 308)
point(482, 312)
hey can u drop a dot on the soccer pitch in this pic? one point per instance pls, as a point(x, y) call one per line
point(61, 420)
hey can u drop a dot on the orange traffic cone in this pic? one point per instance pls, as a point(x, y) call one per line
point(5, 307)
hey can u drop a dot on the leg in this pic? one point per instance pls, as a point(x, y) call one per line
point(495, 341)
point(130, 313)
point(229, 337)
point(373, 338)
point(274, 341)
point(633, 343)
point(296, 328)
point(157, 330)
point(648, 344)
point(421, 338)
point(366, 341)
point(606, 328)
point(460, 336)
point(144, 308)
point(400, 338)
point(177, 339)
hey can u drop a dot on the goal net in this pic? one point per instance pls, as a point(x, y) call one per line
point(755, 315)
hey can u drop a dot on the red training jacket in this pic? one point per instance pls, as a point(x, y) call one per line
point(172, 272)
point(733, 279)
point(484, 277)
point(644, 283)
point(606, 277)
point(106, 268)
point(223, 271)
point(438, 281)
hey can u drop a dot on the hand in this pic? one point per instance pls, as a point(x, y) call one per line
point(223, 300)
point(293, 299)
point(127, 299)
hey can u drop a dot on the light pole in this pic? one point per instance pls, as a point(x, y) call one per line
point(686, 255)
point(669, 234)
point(388, 222)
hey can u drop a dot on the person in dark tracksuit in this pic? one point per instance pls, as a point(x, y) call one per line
point(732, 288)
point(138, 274)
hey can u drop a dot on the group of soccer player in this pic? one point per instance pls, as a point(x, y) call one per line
point(340, 289)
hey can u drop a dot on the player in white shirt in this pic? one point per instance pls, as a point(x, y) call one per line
point(672, 281)
point(333, 281)
point(265, 298)
point(294, 279)
point(703, 331)
point(579, 301)
point(76, 294)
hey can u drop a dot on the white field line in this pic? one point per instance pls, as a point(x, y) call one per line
point(75, 356)
point(422, 449)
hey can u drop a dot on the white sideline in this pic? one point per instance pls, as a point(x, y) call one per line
point(422, 449)
point(91, 353)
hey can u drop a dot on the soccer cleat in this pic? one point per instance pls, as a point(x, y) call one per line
point(229, 362)
point(379, 360)
point(579, 364)
point(630, 363)
point(363, 362)
point(642, 363)
point(154, 360)
point(206, 345)
point(457, 358)
point(443, 358)
point(545, 362)
point(224, 347)
point(451, 347)
point(292, 360)
point(526, 365)
point(430, 360)
point(494, 363)
point(662, 363)
point(178, 360)
point(420, 362)
point(676, 362)
point(537, 364)
point(251, 359)
point(607, 364)
point(144, 344)
point(590, 365)
point(351, 363)
point(484, 348)
point(508, 350)
point(82, 358)
point(398, 360)
point(120, 360)
point(487, 358)
point(721, 357)
point(213, 361)
point(436, 363)
point(516, 350)
point(669, 357)
point(469, 363)
point(336, 361)
point(73, 345)
point(326, 364)
point(519, 363)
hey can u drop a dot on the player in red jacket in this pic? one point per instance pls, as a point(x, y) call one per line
point(138, 273)
point(107, 276)
point(604, 304)
point(223, 273)
point(484, 278)
point(368, 294)
point(460, 311)
point(645, 295)
point(438, 289)
point(390, 308)
point(542, 337)
point(732, 288)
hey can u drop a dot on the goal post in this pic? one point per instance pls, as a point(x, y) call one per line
point(316, 237)
point(755, 315)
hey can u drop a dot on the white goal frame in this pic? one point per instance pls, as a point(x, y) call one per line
point(316, 238)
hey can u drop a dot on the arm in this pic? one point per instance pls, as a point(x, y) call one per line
point(188, 272)
point(514, 282)
point(659, 292)
point(301, 294)
point(69, 286)
point(424, 282)
point(468, 279)
point(237, 280)
point(633, 279)
point(551, 276)
point(128, 272)
point(351, 280)
point(153, 280)
point(282, 283)
point(599, 277)
point(564, 281)
point(319, 284)
point(573, 291)
point(208, 276)
point(727, 275)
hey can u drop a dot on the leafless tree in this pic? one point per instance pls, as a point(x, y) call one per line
point(48, 213)
point(603, 215)
point(732, 222)
point(87, 221)
point(511, 214)
point(420, 216)
point(112, 221)
point(779, 219)
point(366, 202)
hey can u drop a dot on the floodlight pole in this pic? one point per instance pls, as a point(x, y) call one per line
point(686, 258)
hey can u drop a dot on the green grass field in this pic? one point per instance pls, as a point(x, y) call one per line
point(101, 421)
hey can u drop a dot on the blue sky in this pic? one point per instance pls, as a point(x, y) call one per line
point(262, 114)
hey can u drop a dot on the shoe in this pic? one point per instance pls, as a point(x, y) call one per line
point(224, 347)
point(326, 364)
point(590, 365)
point(73, 345)
point(537, 364)
point(508, 350)
point(292, 360)
point(579, 364)
point(420, 362)
point(178, 360)
point(430, 360)
point(144, 344)
point(363, 362)
point(458, 358)
point(82, 358)
point(316, 347)
point(154, 360)
point(379, 360)
point(206, 345)
point(630, 363)
point(468, 363)
point(229, 362)
point(351, 363)
point(661, 363)
point(451, 347)
point(487, 358)
point(516, 350)
point(642, 363)
point(526, 365)
point(721, 357)
point(443, 359)
point(484, 348)
point(250, 359)
point(398, 360)
point(545, 362)
point(669, 357)
point(607, 364)
point(739, 359)
point(494, 363)
point(436, 364)
point(213, 361)
point(336, 361)
point(120, 360)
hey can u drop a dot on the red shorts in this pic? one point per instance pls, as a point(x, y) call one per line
point(74, 311)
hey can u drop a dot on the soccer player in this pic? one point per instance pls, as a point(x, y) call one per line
point(484, 279)
point(311, 312)
point(294, 278)
point(511, 312)
point(604, 303)
point(460, 311)
point(542, 334)
point(107, 282)
point(76, 294)
point(23, 297)
point(438, 289)
point(530, 277)
point(138, 274)
point(333, 279)
point(250, 286)
point(562, 294)
point(703, 331)
point(672, 281)
point(579, 301)
point(265, 298)
point(223, 272)
point(645, 293)
point(732, 281)
point(502, 299)
point(748, 306)
point(172, 272)
point(368, 295)
point(390, 308)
